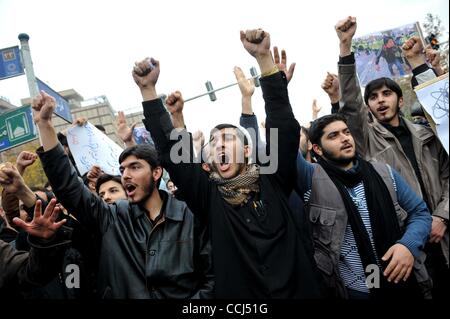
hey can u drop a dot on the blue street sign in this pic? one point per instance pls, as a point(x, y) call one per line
point(62, 106)
point(10, 64)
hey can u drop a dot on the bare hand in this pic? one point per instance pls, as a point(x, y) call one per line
point(434, 58)
point(331, 86)
point(401, 263)
point(247, 87)
point(345, 29)
point(198, 137)
point(315, 109)
point(43, 106)
point(256, 42)
point(92, 176)
point(146, 73)
point(10, 178)
point(24, 160)
point(81, 121)
point(42, 226)
point(175, 103)
point(412, 50)
point(124, 132)
point(282, 64)
point(438, 229)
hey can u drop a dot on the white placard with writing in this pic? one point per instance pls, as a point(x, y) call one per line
point(433, 96)
point(89, 146)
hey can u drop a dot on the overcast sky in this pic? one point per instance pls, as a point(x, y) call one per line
point(91, 46)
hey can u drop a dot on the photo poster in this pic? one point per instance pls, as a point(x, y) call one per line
point(90, 146)
point(142, 136)
point(379, 54)
point(433, 95)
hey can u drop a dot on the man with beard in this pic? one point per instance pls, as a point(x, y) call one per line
point(151, 246)
point(258, 250)
point(365, 218)
point(412, 150)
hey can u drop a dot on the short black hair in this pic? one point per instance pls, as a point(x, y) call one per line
point(240, 134)
point(317, 126)
point(144, 152)
point(378, 84)
point(106, 178)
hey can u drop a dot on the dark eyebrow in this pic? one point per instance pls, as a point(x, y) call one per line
point(129, 164)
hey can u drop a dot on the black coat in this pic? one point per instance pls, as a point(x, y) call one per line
point(258, 251)
point(137, 260)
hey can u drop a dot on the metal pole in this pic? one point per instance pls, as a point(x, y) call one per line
point(213, 91)
point(28, 64)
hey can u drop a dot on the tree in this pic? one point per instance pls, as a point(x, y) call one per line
point(34, 175)
point(433, 25)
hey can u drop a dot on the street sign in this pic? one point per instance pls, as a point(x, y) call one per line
point(62, 106)
point(10, 63)
point(16, 128)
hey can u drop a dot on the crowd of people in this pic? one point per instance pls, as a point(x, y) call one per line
point(352, 206)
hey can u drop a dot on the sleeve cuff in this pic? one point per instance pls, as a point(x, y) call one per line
point(153, 107)
point(348, 59)
point(411, 245)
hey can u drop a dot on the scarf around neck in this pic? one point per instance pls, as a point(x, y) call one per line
point(237, 190)
point(383, 219)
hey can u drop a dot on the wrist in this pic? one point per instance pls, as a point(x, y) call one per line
point(44, 123)
point(416, 61)
point(345, 48)
point(265, 63)
point(20, 169)
point(178, 120)
point(149, 93)
point(442, 220)
point(333, 98)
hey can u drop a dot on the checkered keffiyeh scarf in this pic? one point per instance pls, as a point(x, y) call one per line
point(236, 190)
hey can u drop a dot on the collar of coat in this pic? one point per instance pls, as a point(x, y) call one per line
point(172, 208)
point(418, 132)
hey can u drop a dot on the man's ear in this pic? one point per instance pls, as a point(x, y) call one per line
point(247, 153)
point(317, 149)
point(157, 173)
point(400, 102)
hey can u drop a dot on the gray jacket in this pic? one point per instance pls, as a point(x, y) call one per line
point(328, 217)
point(170, 259)
point(376, 144)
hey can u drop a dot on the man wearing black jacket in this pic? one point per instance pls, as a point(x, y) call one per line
point(258, 251)
point(151, 246)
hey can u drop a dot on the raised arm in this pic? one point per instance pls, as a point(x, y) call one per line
point(191, 180)
point(282, 129)
point(413, 51)
point(248, 119)
point(20, 269)
point(353, 107)
point(125, 132)
point(331, 86)
point(88, 208)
